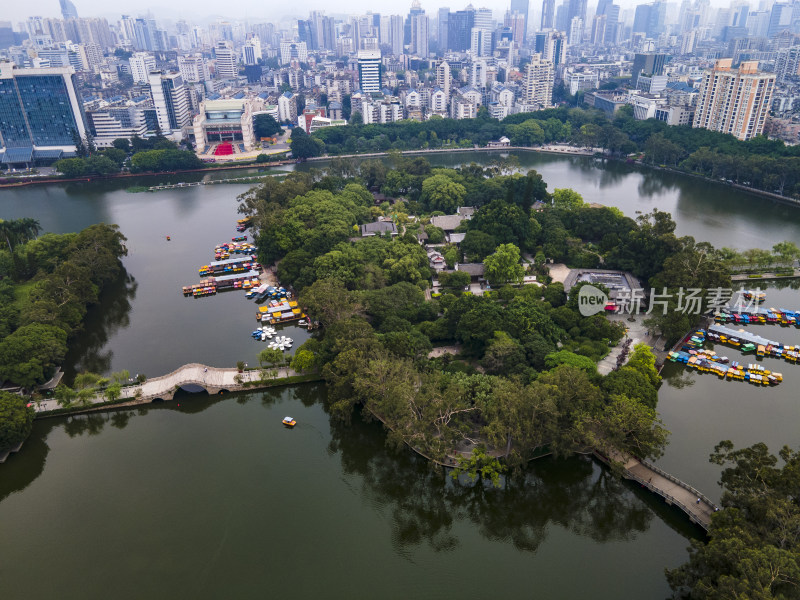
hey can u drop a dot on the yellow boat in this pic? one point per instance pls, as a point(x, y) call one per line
point(289, 422)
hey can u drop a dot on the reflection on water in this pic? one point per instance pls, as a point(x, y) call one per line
point(90, 350)
point(575, 493)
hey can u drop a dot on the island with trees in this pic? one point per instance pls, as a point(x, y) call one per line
point(525, 382)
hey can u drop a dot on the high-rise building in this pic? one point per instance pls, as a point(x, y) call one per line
point(459, 33)
point(551, 45)
point(576, 31)
point(780, 18)
point(419, 35)
point(516, 23)
point(251, 51)
point(444, 78)
point(193, 68)
point(521, 7)
point(306, 32)
point(396, 34)
point(442, 27)
point(293, 51)
point(650, 63)
point(226, 60)
point(787, 63)
point(68, 10)
point(40, 113)
point(599, 25)
point(576, 8)
point(141, 64)
point(369, 71)
point(170, 100)
point(480, 42)
point(538, 82)
point(734, 101)
point(548, 14)
point(481, 33)
point(416, 9)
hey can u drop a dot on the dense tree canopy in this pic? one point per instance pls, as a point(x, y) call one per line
point(16, 420)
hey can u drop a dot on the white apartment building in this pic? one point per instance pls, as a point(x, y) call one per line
point(141, 65)
point(193, 68)
point(170, 100)
point(538, 82)
point(369, 71)
point(226, 60)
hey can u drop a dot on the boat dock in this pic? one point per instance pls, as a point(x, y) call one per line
point(211, 285)
point(749, 342)
point(755, 314)
point(230, 265)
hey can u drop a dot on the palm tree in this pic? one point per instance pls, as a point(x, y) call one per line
point(19, 231)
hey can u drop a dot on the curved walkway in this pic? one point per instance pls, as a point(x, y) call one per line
point(674, 491)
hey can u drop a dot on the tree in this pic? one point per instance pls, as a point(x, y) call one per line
point(567, 199)
point(303, 360)
point(356, 118)
point(71, 167)
point(787, 251)
point(624, 426)
point(479, 465)
point(503, 266)
point(477, 245)
point(631, 383)
point(456, 280)
point(16, 420)
point(328, 301)
point(754, 547)
point(440, 192)
point(266, 126)
point(504, 355)
point(270, 356)
point(304, 146)
point(122, 144)
point(435, 234)
point(18, 231)
point(29, 355)
point(565, 357)
point(643, 360)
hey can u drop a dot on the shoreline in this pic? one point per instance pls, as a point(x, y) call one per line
point(553, 149)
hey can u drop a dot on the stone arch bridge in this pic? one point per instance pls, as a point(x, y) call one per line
point(212, 379)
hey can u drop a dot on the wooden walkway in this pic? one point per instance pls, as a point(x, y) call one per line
point(674, 491)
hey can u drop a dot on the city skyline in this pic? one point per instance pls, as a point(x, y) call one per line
point(206, 10)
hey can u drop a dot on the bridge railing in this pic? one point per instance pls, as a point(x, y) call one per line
point(677, 481)
point(670, 499)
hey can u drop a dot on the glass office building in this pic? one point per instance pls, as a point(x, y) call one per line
point(39, 113)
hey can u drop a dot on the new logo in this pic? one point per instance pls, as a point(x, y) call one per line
point(591, 300)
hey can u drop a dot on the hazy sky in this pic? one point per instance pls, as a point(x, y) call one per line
point(269, 10)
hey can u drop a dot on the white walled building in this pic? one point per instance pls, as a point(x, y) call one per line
point(141, 65)
point(193, 68)
point(170, 100)
point(538, 82)
point(226, 120)
point(226, 61)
